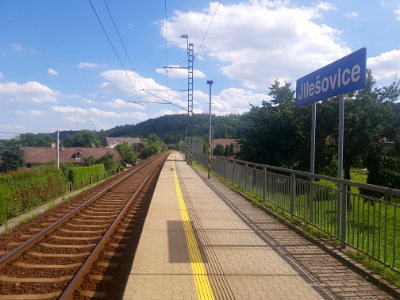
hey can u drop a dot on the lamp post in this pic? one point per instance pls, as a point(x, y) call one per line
point(185, 36)
point(209, 82)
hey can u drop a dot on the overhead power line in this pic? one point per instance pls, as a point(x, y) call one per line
point(9, 132)
point(166, 29)
point(164, 100)
point(208, 28)
point(112, 46)
point(119, 35)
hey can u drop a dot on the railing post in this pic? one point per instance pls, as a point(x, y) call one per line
point(344, 215)
point(341, 212)
point(311, 201)
point(292, 193)
point(264, 182)
point(226, 168)
point(245, 176)
point(234, 173)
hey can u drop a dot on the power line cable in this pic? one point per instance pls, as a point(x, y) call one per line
point(208, 28)
point(112, 46)
point(166, 29)
point(123, 45)
point(165, 101)
point(9, 132)
point(119, 35)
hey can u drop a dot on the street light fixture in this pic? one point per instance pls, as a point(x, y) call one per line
point(209, 82)
point(185, 36)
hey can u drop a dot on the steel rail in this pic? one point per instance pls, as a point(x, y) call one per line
point(26, 245)
point(78, 278)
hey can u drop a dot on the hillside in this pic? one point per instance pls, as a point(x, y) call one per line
point(172, 128)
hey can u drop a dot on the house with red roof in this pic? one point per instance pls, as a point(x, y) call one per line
point(34, 156)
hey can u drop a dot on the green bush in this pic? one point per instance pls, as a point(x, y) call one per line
point(80, 176)
point(27, 188)
point(6, 196)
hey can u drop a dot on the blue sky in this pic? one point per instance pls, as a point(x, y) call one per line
point(58, 70)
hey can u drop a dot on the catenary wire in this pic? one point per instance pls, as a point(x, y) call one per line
point(208, 28)
point(112, 46)
point(123, 45)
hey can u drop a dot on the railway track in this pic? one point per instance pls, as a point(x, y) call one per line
point(74, 252)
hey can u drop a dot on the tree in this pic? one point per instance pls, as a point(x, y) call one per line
point(36, 140)
point(89, 161)
point(153, 145)
point(84, 138)
point(276, 132)
point(218, 150)
point(108, 161)
point(11, 156)
point(127, 153)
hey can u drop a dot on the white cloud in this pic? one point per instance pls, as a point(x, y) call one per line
point(83, 65)
point(397, 14)
point(386, 65)
point(174, 72)
point(235, 100)
point(255, 43)
point(88, 101)
point(102, 113)
point(352, 14)
point(31, 91)
point(135, 117)
point(138, 88)
point(94, 113)
point(69, 109)
point(17, 47)
point(74, 119)
point(30, 113)
point(325, 6)
point(52, 72)
point(96, 118)
point(10, 130)
point(120, 103)
point(1, 75)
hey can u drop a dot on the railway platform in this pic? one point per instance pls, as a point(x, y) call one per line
point(201, 240)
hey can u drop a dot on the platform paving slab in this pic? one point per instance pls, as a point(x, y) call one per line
point(239, 264)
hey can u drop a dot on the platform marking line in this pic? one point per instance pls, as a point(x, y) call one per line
point(203, 286)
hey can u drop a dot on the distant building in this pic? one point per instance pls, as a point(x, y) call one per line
point(197, 145)
point(226, 142)
point(135, 143)
point(34, 156)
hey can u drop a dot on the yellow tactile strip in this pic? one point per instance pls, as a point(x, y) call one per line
point(219, 283)
point(203, 286)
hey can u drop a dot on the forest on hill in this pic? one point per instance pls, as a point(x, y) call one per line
point(173, 128)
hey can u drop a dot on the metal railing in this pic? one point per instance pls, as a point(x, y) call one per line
point(340, 208)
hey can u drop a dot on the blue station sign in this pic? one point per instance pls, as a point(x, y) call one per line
point(340, 77)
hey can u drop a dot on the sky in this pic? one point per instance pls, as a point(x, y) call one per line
point(63, 65)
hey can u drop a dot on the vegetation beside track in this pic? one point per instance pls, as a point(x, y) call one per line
point(25, 189)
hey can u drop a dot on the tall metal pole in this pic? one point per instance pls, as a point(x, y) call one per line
point(312, 159)
point(185, 36)
point(58, 149)
point(209, 82)
point(190, 98)
point(313, 129)
point(341, 207)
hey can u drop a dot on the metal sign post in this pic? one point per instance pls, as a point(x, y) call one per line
point(312, 157)
point(343, 76)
